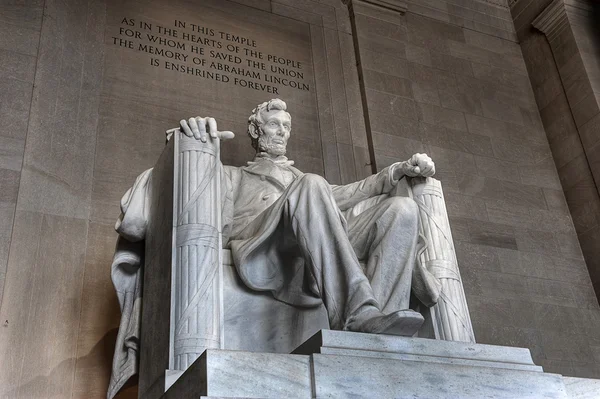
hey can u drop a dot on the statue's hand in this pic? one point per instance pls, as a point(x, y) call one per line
point(198, 127)
point(418, 165)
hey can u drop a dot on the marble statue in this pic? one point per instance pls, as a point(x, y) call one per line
point(358, 249)
point(281, 214)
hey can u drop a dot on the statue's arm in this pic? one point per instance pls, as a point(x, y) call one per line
point(348, 195)
point(383, 182)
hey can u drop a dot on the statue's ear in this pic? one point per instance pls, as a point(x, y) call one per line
point(253, 131)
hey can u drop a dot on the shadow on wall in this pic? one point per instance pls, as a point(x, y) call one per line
point(596, 19)
point(129, 390)
point(100, 356)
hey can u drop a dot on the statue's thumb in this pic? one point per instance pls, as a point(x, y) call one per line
point(226, 135)
point(417, 170)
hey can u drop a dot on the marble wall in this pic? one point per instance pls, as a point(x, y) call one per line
point(19, 40)
point(564, 92)
point(58, 53)
point(465, 98)
point(82, 116)
point(573, 96)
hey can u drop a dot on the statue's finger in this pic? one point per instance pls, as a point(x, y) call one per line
point(226, 135)
point(414, 160)
point(202, 129)
point(212, 127)
point(426, 168)
point(194, 126)
point(417, 170)
point(186, 128)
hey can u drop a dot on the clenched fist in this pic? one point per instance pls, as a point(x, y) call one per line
point(417, 165)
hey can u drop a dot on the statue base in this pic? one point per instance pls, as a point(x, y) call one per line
point(346, 364)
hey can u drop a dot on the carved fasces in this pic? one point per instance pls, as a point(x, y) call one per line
point(196, 312)
point(450, 316)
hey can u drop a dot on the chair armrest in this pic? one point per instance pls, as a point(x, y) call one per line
point(451, 320)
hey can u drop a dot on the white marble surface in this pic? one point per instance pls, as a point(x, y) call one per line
point(196, 272)
point(234, 374)
point(428, 358)
point(582, 388)
point(360, 377)
point(450, 319)
point(257, 375)
point(275, 326)
point(358, 344)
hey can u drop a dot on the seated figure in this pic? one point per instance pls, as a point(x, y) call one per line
point(353, 247)
point(280, 213)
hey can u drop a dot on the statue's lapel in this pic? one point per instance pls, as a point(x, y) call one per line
point(267, 170)
point(295, 171)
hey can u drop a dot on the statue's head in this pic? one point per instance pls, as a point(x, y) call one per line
point(269, 127)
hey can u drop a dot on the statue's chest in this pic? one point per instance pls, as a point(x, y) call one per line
point(257, 192)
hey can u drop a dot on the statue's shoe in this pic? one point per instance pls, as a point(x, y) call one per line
point(403, 322)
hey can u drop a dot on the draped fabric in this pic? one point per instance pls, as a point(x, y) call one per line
point(127, 277)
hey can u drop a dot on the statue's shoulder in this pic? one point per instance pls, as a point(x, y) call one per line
point(233, 173)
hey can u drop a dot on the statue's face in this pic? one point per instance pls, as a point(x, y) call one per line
point(275, 132)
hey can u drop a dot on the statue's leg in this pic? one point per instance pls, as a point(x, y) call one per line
point(385, 237)
point(321, 234)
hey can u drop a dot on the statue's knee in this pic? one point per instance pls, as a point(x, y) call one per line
point(402, 211)
point(403, 205)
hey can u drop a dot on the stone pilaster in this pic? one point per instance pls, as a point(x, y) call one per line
point(575, 42)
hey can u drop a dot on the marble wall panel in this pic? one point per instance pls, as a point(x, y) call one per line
point(7, 212)
point(363, 162)
point(457, 140)
point(60, 126)
point(339, 105)
point(445, 117)
point(396, 146)
point(563, 72)
point(387, 83)
point(478, 117)
point(394, 124)
point(418, 55)
point(589, 132)
point(19, 39)
point(458, 92)
point(353, 94)
point(50, 229)
point(98, 119)
point(42, 303)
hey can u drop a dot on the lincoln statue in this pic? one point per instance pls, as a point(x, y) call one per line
point(354, 248)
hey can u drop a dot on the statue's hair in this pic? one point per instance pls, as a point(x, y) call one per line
point(256, 120)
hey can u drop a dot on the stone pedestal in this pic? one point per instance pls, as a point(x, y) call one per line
point(343, 364)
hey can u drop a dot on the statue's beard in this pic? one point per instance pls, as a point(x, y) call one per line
point(266, 145)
